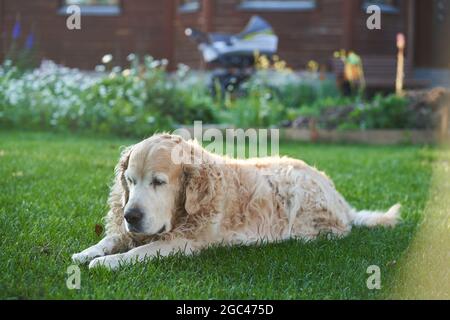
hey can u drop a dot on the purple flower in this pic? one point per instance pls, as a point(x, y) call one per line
point(30, 41)
point(16, 30)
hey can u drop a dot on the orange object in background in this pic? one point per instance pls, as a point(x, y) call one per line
point(400, 64)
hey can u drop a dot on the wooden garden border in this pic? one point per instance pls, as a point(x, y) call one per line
point(387, 137)
point(375, 137)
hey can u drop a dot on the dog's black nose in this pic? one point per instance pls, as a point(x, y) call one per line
point(133, 215)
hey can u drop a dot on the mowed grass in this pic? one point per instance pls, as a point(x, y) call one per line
point(53, 191)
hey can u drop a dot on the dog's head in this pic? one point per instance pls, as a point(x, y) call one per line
point(156, 187)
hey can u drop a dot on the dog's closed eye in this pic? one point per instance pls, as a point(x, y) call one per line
point(157, 182)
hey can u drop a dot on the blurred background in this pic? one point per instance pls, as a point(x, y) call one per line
point(148, 63)
point(307, 29)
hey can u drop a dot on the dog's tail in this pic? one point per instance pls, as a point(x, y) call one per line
point(376, 218)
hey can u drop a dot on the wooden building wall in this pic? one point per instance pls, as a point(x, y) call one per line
point(157, 27)
point(141, 27)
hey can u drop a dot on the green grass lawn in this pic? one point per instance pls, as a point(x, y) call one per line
point(53, 191)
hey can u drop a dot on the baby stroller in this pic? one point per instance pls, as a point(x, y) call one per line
point(233, 56)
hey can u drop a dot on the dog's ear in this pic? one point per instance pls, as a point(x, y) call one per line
point(203, 189)
point(120, 173)
point(118, 195)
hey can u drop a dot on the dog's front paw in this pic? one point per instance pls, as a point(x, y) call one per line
point(109, 262)
point(87, 255)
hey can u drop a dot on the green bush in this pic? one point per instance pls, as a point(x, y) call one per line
point(272, 98)
point(390, 112)
point(307, 93)
point(350, 113)
point(318, 107)
point(257, 110)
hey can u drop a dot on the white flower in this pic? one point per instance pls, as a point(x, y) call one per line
point(100, 68)
point(103, 91)
point(107, 58)
point(116, 69)
point(155, 64)
point(126, 72)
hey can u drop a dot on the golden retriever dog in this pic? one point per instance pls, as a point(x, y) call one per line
point(159, 206)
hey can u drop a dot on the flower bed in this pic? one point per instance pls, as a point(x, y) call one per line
point(145, 98)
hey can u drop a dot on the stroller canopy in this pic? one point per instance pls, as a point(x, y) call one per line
point(257, 36)
point(255, 26)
